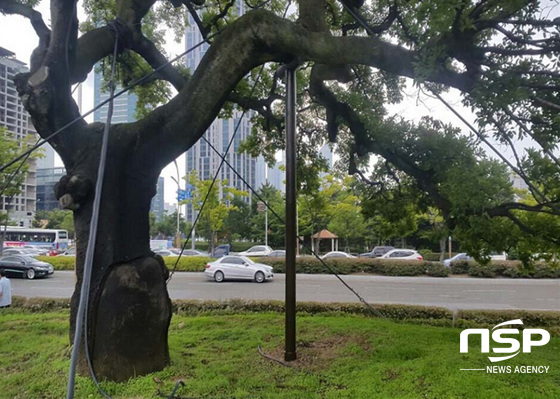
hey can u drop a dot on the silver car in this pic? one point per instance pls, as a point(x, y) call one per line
point(237, 267)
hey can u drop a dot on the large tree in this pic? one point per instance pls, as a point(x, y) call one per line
point(501, 54)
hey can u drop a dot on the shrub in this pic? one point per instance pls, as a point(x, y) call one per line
point(428, 315)
point(460, 267)
point(543, 270)
point(187, 263)
point(385, 267)
point(478, 270)
point(399, 267)
point(531, 318)
point(399, 312)
point(436, 269)
point(512, 269)
point(59, 262)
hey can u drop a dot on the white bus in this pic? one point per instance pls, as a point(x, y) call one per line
point(54, 240)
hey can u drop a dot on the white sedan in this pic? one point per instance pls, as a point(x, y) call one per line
point(257, 250)
point(237, 267)
point(337, 254)
point(400, 253)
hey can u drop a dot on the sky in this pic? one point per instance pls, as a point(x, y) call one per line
point(17, 35)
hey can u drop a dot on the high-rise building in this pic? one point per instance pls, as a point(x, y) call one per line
point(273, 176)
point(13, 116)
point(46, 180)
point(201, 158)
point(124, 106)
point(158, 205)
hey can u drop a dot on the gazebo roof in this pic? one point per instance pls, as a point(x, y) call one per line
point(324, 234)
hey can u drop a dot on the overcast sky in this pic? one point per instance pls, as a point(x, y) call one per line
point(17, 35)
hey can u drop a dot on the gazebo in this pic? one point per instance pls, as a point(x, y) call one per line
point(325, 234)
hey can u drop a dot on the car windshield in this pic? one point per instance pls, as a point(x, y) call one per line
point(247, 260)
point(28, 259)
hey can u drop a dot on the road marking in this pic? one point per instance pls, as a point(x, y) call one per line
point(489, 291)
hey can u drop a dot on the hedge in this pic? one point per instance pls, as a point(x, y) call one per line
point(428, 315)
point(506, 268)
point(384, 267)
point(186, 263)
point(59, 262)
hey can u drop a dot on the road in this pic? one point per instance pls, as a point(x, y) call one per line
point(452, 293)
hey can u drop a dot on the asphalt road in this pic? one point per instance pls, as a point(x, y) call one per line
point(452, 293)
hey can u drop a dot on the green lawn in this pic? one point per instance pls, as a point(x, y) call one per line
point(216, 356)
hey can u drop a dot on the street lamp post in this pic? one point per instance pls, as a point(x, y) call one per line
point(178, 233)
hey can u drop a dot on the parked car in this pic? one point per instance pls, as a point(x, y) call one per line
point(194, 252)
point(498, 256)
point(25, 266)
point(336, 254)
point(400, 253)
point(257, 250)
point(461, 256)
point(376, 252)
point(237, 267)
point(69, 252)
point(166, 252)
point(177, 252)
point(279, 253)
point(221, 250)
point(19, 251)
point(42, 251)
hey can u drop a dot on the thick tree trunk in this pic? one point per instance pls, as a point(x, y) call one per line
point(129, 308)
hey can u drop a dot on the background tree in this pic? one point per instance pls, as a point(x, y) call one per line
point(219, 204)
point(238, 222)
point(167, 226)
point(437, 230)
point(55, 219)
point(501, 55)
point(12, 177)
point(276, 229)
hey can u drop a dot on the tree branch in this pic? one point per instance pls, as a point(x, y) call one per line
point(35, 17)
point(365, 143)
point(144, 47)
point(262, 106)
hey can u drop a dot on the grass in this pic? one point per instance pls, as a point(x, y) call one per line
point(339, 357)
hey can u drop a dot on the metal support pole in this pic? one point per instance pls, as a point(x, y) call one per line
point(178, 243)
point(193, 229)
point(290, 349)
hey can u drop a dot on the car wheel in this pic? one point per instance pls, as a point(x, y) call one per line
point(219, 276)
point(30, 274)
point(259, 277)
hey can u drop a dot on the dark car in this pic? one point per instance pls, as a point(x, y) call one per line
point(280, 253)
point(376, 252)
point(25, 266)
point(221, 250)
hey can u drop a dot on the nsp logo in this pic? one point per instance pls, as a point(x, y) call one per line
point(497, 335)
